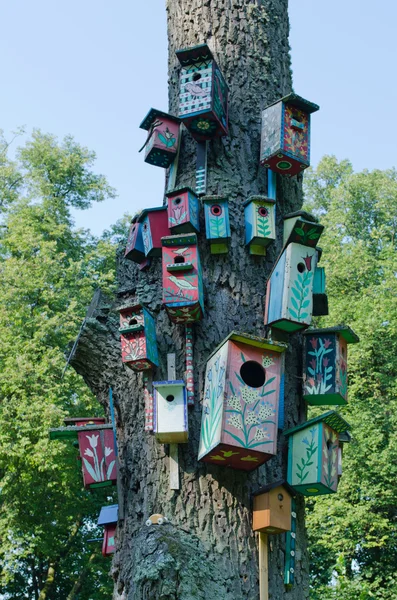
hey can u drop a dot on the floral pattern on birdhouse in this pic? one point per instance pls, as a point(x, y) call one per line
point(154, 226)
point(98, 457)
point(302, 228)
point(217, 226)
point(183, 211)
point(260, 228)
point(138, 338)
point(162, 142)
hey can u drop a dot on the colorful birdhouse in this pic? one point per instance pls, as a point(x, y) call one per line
point(285, 139)
point(183, 211)
point(320, 298)
point(135, 250)
point(154, 223)
point(289, 292)
point(108, 517)
point(302, 228)
point(217, 226)
point(260, 223)
point(313, 454)
point(162, 142)
point(170, 412)
point(241, 398)
point(138, 338)
point(183, 296)
point(203, 94)
point(272, 508)
point(325, 365)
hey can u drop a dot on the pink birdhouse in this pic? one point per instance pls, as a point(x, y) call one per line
point(98, 457)
point(138, 338)
point(154, 223)
point(162, 142)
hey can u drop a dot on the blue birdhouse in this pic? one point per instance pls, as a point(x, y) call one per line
point(217, 226)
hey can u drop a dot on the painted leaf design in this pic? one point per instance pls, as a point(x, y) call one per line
point(90, 470)
point(242, 357)
point(110, 469)
point(299, 231)
point(293, 313)
point(294, 303)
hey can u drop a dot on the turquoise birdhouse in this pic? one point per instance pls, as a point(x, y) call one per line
point(260, 223)
point(217, 226)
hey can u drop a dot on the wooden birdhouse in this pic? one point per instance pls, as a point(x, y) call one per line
point(108, 518)
point(162, 142)
point(302, 228)
point(285, 138)
point(325, 365)
point(170, 412)
point(183, 296)
point(203, 94)
point(154, 223)
point(138, 338)
point(217, 226)
point(289, 292)
point(260, 223)
point(320, 298)
point(135, 250)
point(183, 211)
point(313, 449)
point(241, 399)
point(272, 508)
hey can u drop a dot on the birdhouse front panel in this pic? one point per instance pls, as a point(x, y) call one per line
point(217, 226)
point(260, 229)
point(138, 338)
point(289, 293)
point(135, 250)
point(109, 544)
point(183, 211)
point(183, 296)
point(170, 412)
point(301, 228)
point(240, 406)
point(163, 137)
point(154, 226)
point(272, 511)
point(98, 457)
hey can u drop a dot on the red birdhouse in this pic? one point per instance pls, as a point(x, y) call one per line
point(162, 142)
point(154, 223)
point(109, 517)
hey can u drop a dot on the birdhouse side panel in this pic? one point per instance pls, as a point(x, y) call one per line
point(147, 236)
point(320, 377)
point(194, 208)
point(299, 269)
point(109, 544)
point(275, 291)
point(305, 447)
point(220, 99)
point(178, 210)
point(132, 317)
point(151, 340)
point(329, 458)
point(271, 131)
point(133, 347)
point(166, 135)
point(135, 249)
point(296, 132)
point(195, 91)
point(341, 367)
point(98, 456)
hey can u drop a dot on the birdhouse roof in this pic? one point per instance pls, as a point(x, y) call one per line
point(330, 418)
point(154, 114)
point(259, 199)
point(343, 330)
point(130, 308)
point(168, 383)
point(251, 340)
point(70, 433)
point(214, 198)
point(271, 486)
point(194, 54)
point(189, 239)
point(303, 214)
point(180, 190)
point(90, 420)
point(108, 514)
point(147, 211)
point(298, 101)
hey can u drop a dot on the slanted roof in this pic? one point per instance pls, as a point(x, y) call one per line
point(344, 330)
point(70, 433)
point(251, 340)
point(302, 213)
point(147, 211)
point(154, 114)
point(271, 486)
point(108, 514)
point(297, 101)
point(258, 198)
point(194, 54)
point(180, 190)
point(330, 418)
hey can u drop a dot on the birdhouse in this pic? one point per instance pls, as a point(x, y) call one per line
point(260, 226)
point(289, 292)
point(272, 508)
point(183, 296)
point(135, 250)
point(325, 365)
point(203, 94)
point(170, 412)
point(108, 517)
point(183, 211)
point(302, 228)
point(154, 223)
point(313, 454)
point(320, 298)
point(162, 142)
point(217, 227)
point(240, 406)
point(285, 138)
point(138, 338)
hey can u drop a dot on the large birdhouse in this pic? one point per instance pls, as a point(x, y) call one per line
point(217, 226)
point(260, 223)
point(170, 412)
point(272, 508)
point(313, 450)
point(241, 399)
point(182, 279)
point(289, 292)
point(162, 142)
point(135, 249)
point(302, 228)
point(203, 94)
point(108, 517)
point(138, 338)
point(154, 223)
point(325, 365)
point(285, 138)
point(183, 211)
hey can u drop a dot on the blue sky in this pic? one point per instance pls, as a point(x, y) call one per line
point(93, 69)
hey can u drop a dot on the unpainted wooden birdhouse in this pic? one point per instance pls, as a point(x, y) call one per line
point(302, 228)
point(241, 400)
point(285, 138)
point(272, 508)
point(138, 338)
point(170, 412)
point(183, 211)
point(203, 94)
point(135, 249)
point(162, 142)
point(289, 292)
point(313, 450)
point(108, 517)
point(183, 295)
point(325, 365)
point(154, 223)
point(260, 223)
point(217, 226)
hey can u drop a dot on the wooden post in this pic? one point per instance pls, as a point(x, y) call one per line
point(148, 397)
point(120, 493)
point(189, 365)
point(271, 184)
point(263, 568)
point(201, 168)
point(174, 463)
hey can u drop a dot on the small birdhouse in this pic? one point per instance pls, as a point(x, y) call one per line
point(272, 508)
point(154, 223)
point(320, 298)
point(325, 365)
point(203, 94)
point(217, 227)
point(138, 338)
point(313, 449)
point(163, 137)
point(183, 296)
point(289, 292)
point(108, 517)
point(285, 138)
point(183, 211)
point(302, 228)
point(135, 250)
point(170, 412)
point(260, 227)
point(241, 398)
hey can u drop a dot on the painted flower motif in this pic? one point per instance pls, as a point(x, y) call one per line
point(313, 363)
point(308, 262)
point(313, 342)
point(234, 402)
point(305, 441)
point(325, 362)
point(108, 451)
point(88, 452)
point(204, 125)
point(177, 212)
point(235, 421)
point(265, 411)
point(327, 343)
point(319, 377)
point(260, 435)
point(251, 419)
point(267, 361)
point(209, 375)
point(93, 439)
point(311, 381)
point(249, 395)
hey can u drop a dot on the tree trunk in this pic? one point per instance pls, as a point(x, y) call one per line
point(208, 550)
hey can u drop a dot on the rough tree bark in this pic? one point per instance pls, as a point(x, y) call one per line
point(208, 550)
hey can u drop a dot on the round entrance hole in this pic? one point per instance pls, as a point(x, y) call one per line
point(177, 200)
point(216, 210)
point(301, 267)
point(196, 76)
point(170, 398)
point(262, 210)
point(280, 497)
point(253, 374)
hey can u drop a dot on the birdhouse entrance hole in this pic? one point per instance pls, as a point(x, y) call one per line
point(170, 398)
point(301, 267)
point(179, 259)
point(329, 444)
point(216, 210)
point(133, 322)
point(177, 200)
point(196, 76)
point(253, 374)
